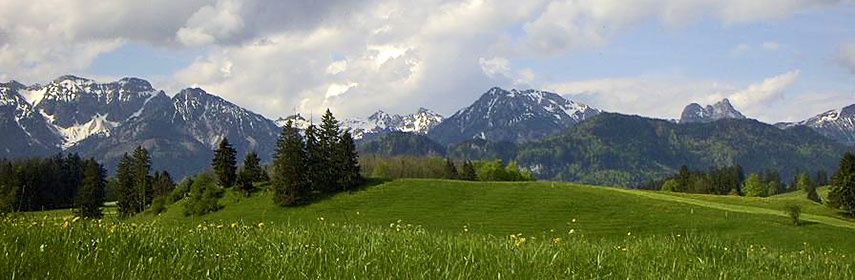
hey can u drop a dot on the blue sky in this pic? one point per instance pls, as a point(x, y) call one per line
point(776, 60)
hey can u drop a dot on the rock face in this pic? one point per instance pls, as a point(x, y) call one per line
point(106, 120)
point(837, 124)
point(694, 113)
point(512, 115)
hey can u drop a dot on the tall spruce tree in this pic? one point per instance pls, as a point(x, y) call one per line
point(315, 160)
point(162, 184)
point(225, 164)
point(348, 160)
point(468, 171)
point(252, 167)
point(90, 197)
point(142, 178)
point(450, 170)
point(126, 194)
point(842, 192)
point(328, 140)
point(290, 186)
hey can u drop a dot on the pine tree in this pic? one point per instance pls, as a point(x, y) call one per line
point(252, 166)
point(821, 178)
point(450, 170)
point(290, 186)
point(468, 171)
point(808, 187)
point(126, 197)
point(842, 193)
point(142, 178)
point(90, 197)
point(225, 164)
point(162, 184)
point(328, 140)
point(348, 160)
point(315, 161)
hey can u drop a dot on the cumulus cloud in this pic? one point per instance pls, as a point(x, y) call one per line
point(757, 96)
point(352, 56)
point(665, 97)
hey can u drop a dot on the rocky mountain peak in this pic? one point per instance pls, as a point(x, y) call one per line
point(720, 110)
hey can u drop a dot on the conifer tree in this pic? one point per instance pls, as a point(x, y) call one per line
point(315, 161)
point(290, 186)
point(252, 166)
point(842, 192)
point(162, 184)
point(142, 178)
point(328, 140)
point(225, 164)
point(450, 170)
point(468, 173)
point(126, 197)
point(90, 197)
point(348, 160)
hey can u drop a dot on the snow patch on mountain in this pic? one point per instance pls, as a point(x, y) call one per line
point(381, 122)
point(99, 125)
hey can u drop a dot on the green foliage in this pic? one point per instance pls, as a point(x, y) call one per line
point(497, 171)
point(224, 164)
point(142, 179)
point(125, 181)
point(468, 172)
point(158, 205)
point(290, 178)
point(347, 163)
point(90, 197)
point(632, 150)
point(162, 184)
point(328, 141)
point(252, 167)
point(181, 191)
point(805, 184)
point(32, 184)
point(842, 193)
point(395, 144)
point(450, 170)
point(793, 211)
point(754, 186)
point(204, 196)
point(672, 185)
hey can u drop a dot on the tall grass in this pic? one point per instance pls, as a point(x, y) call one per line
point(58, 248)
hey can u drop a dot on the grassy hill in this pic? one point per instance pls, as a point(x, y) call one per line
point(531, 208)
point(443, 229)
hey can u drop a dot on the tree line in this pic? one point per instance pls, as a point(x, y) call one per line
point(61, 181)
point(732, 180)
point(394, 167)
point(136, 186)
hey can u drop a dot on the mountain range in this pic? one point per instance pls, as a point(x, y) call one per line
point(105, 120)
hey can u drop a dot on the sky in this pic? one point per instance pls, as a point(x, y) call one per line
point(775, 60)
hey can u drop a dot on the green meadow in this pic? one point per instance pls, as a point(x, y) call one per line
point(430, 229)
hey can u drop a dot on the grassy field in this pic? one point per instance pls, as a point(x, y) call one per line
point(441, 229)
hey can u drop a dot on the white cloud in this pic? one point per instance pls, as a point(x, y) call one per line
point(770, 45)
point(271, 56)
point(846, 55)
point(758, 96)
point(666, 96)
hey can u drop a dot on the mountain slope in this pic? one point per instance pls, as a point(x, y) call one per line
point(381, 123)
point(23, 131)
point(628, 150)
point(402, 143)
point(502, 115)
point(837, 124)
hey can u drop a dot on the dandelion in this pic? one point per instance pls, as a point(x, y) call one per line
point(628, 233)
point(75, 219)
point(574, 220)
point(572, 231)
point(260, 225)
point(42, 248)
point(556, 240)
point(357, 212)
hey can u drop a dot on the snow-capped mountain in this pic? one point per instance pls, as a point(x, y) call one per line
point(837, 124)
point(24, 131)
point(512, 115)
point(694, 113)
point(78, 108)
point(106, 120)
point(297, 120)
point(381, 123)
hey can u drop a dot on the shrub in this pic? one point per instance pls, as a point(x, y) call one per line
point(158, 205)
point(794, 211)
point(670, 186)
point(204, 196)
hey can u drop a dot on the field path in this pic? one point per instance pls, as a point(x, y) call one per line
point(737, 208)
